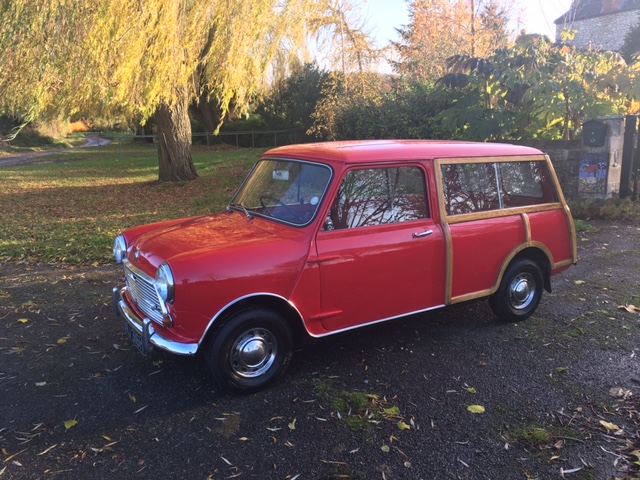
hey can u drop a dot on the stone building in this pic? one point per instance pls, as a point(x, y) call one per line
point(599, 23)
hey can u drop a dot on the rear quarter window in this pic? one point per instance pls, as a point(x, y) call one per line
point(480, 187)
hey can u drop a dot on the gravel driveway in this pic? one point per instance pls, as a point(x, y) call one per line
point(559, 391)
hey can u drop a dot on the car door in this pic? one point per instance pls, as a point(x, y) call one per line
point(380, 253)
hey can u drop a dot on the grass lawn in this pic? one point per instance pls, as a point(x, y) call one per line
point(69, 208)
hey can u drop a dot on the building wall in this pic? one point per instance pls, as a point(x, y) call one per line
point(606, 31)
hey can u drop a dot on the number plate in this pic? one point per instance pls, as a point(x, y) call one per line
point(135, 337)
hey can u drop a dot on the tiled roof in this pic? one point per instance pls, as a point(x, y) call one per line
point(581, 9)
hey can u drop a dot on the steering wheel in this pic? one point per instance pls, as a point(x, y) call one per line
point(282, 204)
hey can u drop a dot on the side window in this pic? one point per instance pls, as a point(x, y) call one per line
point(526, 183)
point(379, 196)
point(480, 187)
point(470, 187)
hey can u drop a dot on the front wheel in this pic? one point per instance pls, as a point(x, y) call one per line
point(519, 293)
point(252, 349)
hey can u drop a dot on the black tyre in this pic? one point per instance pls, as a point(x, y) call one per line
point(519, 293)
point(252, 349)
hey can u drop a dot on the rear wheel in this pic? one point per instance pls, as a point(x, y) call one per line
point(251, 350)
point(520, 291)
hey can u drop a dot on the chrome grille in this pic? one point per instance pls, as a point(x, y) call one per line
point(143, 292)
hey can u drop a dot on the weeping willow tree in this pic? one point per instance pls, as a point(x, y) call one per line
point(146, 58)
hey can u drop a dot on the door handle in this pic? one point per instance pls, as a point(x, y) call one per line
point(426, 233)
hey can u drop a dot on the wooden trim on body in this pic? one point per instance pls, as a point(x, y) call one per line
point(499, 213)
point(484, 293)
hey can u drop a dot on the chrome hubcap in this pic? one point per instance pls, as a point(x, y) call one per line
point(253, 353)
point(522, 291)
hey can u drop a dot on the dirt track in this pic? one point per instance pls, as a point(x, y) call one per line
point(31, 157)
point(64, 359)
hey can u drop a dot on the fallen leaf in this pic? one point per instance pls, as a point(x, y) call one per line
point(132, 398)
point(612, 427)
point(23, 320)
point(392, 411)
point(477, 409)
point(385, 448)
point(629, 308)
point(40, 384)
point(62, 340)
point(403, 426)
point(407, 464)
point(70, 424)
point(471, 390)
point(47, 450)
point(292, 425)
point(579, 282)
point(616, 392)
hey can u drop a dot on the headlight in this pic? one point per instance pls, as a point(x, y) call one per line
point(164, 283)
point(120, 248)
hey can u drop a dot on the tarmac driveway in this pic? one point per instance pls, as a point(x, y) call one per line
point(559, 391)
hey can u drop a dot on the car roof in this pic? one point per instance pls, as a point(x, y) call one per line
point(365, 151)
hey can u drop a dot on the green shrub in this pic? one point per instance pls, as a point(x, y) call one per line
point(613, 208)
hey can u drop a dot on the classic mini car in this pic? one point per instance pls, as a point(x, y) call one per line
point(324, 238)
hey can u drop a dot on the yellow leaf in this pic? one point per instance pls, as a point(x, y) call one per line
point(292, 425)
point(62, 340)
point(70, 424)
point(403, 426)
point(23, 320)
point(132, 398)
point(385, 448)
point(471, 390)
point(579, 282)
point(612, 427)
point(477, 409)
point(106, 438)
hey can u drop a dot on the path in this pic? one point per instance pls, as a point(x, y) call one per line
point(31, 157)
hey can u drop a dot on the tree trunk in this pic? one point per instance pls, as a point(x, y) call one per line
point(174, 142)
point(206, 113)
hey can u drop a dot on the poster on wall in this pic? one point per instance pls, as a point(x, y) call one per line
point(593, 172)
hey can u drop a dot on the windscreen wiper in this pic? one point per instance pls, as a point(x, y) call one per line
point(244, 209)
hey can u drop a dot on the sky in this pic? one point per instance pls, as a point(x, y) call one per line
point(535, 16)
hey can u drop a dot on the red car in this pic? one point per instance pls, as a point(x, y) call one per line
point(324, 238)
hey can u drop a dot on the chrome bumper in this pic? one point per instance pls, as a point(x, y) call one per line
point(150, 338)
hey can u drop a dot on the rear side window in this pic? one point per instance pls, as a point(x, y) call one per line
point(379, 196)
point(470, 187)
point(526, 183)
point(479, 187)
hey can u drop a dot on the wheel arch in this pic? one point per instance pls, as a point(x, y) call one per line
point(270, 301)
point(535, 252)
